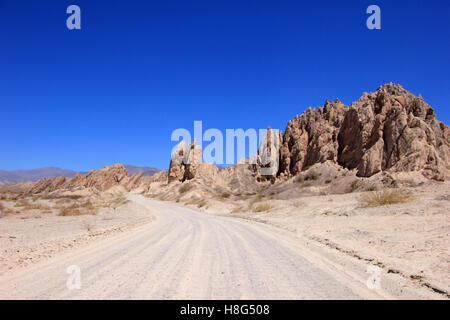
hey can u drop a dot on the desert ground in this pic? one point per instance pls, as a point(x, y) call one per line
point(269, 245)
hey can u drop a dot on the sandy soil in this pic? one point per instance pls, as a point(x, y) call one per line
point(29, 236)
point(185, 254)
point(410, 239)
point(303, 243)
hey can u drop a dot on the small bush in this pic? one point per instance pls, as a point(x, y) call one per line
point(9, 211)
point(299, 179)
point(263, 207)
point(2, 207)
point(371, 188)
point(238, 209)
point(311, 176)
point(383, 198)
point(185, 188)
point(86, 208)
point(69, 211)
point(328, 181)
point(116, 203)
point(225, 195)
point(23, 203)
point(202, 203)
point(71, 197)
point(354, 186)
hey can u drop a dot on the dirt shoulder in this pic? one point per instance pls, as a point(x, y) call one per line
point(408, 239)
point(30, 235)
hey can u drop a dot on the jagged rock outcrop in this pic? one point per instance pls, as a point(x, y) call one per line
point(265, 162)
point(390, 129)
point(185, 162)
point(101, 180)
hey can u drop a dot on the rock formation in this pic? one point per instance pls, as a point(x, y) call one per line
point(100, 180)
point(390, 129)
point(185, 162)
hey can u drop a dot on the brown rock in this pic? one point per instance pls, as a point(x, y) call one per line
point(390, 129)
point(100, 180)
point(184, 162)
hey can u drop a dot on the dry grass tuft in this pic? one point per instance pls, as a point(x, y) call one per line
point(238, 209)
point(383, 198)
point(310, 176)
point(55, 197)
point(354, 186)
point(118, 202)
point(185, 188)
point(200, 203)
point(86, 208)
point(30, 206)
point(263, 207)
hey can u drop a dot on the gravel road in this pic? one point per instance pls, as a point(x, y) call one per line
point(184, 254)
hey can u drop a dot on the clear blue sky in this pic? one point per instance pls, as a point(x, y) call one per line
point(115, 90)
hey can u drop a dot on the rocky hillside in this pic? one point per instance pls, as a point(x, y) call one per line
point(390, 130)
point(387, 131)
point(96, 180)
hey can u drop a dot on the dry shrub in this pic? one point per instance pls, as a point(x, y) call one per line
point(311, 176)
point(238, 209)
point(69, 211)
point(9, 211)
point(383, 198)
point(31, 206)
point(225, 195)
point(354, 186)
point(23, 203)
point(78, 209)
point(263, 207)
point(54, 197)
point(200, 203)
point(2, 207)
point(185, 188)
point(118, 202)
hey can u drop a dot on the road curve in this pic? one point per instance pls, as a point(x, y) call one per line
point(184, 254)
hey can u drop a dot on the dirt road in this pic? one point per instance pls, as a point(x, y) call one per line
point(187, 255)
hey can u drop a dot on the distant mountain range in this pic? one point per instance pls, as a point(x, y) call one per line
point(16, 176)
point(146, 171)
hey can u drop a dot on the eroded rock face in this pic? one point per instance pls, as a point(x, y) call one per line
point(390, 129)
point(100, 180)
point(185, 162)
